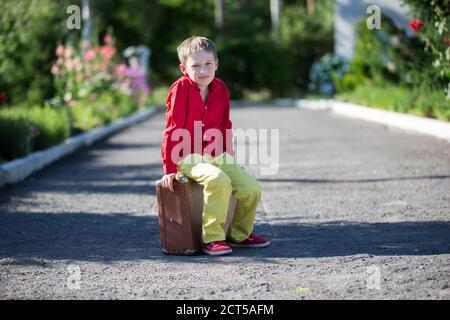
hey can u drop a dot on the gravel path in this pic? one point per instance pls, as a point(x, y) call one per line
point(356, 211)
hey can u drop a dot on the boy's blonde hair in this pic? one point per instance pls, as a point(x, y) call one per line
point(194, 44)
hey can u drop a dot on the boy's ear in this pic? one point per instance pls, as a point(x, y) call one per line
point(183, 68)
point(217, 64)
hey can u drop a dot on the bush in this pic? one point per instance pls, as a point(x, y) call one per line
point(29, 31)
point(431, 103)
point(393, 72)
point(306, 37)
point(83, 117)
point(52, 126)
point(323, 71)
point(89, 113)
point(158, 96)
point(15, 138)
point(257, 65)
point(389, 56)
point(430, 19)
point(418, 101)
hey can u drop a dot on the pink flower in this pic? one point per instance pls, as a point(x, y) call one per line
point(59, 50)
point(68, 52)
point(416, 25)
point(107, 38)
point(85, 44)
point(121, 71)
point(55, 69)
point(89, 55)
point(107, 51)
point(69, 65)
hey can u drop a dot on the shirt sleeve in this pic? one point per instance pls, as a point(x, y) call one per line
point(227, 132)
point(175, 117)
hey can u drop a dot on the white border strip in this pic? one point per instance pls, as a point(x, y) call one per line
point(436, 128)
point(18, 170)
point(432, 127)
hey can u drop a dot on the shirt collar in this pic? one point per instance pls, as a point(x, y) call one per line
point(212, 86)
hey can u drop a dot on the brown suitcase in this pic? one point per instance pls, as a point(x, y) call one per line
point(180, 216)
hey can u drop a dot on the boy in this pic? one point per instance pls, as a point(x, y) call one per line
point(198, 107)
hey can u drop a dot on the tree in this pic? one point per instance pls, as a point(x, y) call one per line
point(29, 33)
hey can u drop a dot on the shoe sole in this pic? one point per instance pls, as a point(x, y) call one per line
point(260, 245)
point(218, 253)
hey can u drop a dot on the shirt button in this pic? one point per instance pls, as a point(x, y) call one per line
point(203, 124)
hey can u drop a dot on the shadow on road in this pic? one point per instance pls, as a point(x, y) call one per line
point(28, 237)
point(84, 173)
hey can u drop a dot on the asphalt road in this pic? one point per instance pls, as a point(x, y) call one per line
point(356, 211)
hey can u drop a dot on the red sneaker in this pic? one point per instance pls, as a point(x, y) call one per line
point(253, 241)
point(217, 248)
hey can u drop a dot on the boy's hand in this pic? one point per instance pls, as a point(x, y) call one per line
point(167, 180)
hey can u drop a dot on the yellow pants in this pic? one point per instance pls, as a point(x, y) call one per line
point(220, 177)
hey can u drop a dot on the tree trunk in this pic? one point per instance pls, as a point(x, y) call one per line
point(218, 15)
point(275, 7)
point(310, 6)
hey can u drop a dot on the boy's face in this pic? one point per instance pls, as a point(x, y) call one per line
point(201, 68)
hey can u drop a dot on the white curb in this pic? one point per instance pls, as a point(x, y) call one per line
point(436, 128)
point(18, 170)
point(314, 104)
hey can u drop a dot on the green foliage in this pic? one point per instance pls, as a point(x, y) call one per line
point(172, 22)
point(49, 126)
point(250, 60)
point(53, 126)
point(323, 71)
point(29, 32)
point(417, 101)
point(15, 138)
point(127, 105)
point(392, 71)
point(86, 114)
point(24, 129)
point(158, 96)
point(83, 117)
point(257, 65)
point(435, 34)
point(306, 37)
point(388, 55)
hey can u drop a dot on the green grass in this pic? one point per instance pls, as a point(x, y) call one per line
point(426, 103)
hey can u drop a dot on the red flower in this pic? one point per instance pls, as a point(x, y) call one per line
point(2, 97)
point(416, 25)
point(447, 40)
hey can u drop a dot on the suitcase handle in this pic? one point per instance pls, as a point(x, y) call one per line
point(184, 179)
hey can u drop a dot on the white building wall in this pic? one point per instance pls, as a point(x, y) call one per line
point(348, 12)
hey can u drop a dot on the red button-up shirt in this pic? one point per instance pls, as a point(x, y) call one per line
point(184, 107)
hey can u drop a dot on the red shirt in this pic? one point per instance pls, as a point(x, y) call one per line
point(184, 106)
